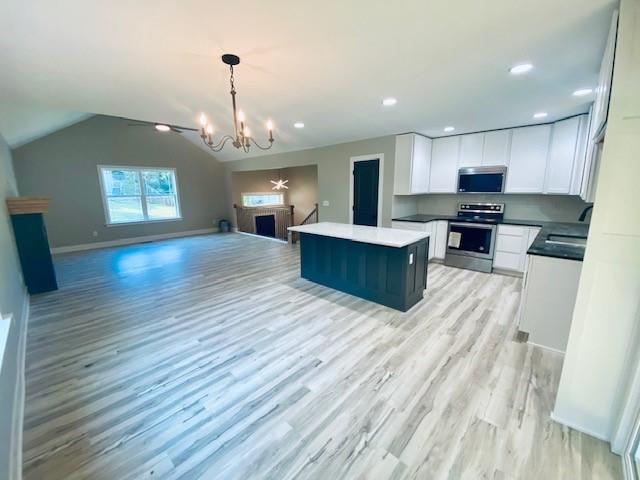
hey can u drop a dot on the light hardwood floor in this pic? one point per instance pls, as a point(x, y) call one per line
point(208, 357)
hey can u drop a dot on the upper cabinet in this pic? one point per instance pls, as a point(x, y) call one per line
point(413, 160)
point(603, 91)
point(497, 145)
point(562, 156)
point(528, 159)
point(444, 165)
point(486, 149)
point(547, 159)
point(471, 148)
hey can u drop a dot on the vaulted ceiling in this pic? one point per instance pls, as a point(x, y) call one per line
point(328, 64)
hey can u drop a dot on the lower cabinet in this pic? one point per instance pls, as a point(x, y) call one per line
point(512, 243)
point(549, 291)
point(437, 235)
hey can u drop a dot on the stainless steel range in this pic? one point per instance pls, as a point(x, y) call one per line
point(471, 239)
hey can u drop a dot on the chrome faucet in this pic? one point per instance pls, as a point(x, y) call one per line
point(583, 215)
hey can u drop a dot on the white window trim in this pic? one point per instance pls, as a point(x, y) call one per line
point(143, 196)
point(263, 193)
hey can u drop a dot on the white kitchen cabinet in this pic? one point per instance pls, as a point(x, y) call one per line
point(603, 90)
point(549, 295)
point(437, 231)
point(581, 155)
point(471, 149)
point(412, 162)
point(444, 165)
point(497, 145)
point(512, 243)
point(563, 154)
point(441, 227)
point(528, 159)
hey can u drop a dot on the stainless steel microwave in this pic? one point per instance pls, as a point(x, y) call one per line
point(482, 179)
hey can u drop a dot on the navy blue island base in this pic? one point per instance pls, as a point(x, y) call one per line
point(392, 276)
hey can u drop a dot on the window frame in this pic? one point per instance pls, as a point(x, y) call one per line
point(143, 195)
point(271, 205)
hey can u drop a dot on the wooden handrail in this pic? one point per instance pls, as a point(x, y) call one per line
point(313, 212)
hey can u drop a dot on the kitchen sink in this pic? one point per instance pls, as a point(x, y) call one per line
point(568, 240)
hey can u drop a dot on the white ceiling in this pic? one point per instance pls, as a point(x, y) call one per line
point(328, 64)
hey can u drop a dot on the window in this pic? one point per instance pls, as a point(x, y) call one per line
point(134, 194)
point(262, 199)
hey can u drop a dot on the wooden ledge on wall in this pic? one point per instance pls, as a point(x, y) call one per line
point(23, 205)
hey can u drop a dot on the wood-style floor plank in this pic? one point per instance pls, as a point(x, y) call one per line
point(208, 357)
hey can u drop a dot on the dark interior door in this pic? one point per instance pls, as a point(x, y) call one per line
point(366, 175)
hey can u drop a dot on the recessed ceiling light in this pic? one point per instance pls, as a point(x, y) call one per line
point(387, 102)
point(449, 129)
point(540, 115)
point(299, 125)
point(581, 92)
point(520, 69)
point(162, 128)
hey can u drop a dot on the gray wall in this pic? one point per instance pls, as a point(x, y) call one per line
point(63, 166)
point(12, 297)
point(333, 173)
point(559, 208)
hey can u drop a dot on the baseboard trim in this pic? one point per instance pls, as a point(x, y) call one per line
point(507, 272)
point(17, 420)
point(572, 425)
point(544, 347)
point(132, 240)
point(261, 236)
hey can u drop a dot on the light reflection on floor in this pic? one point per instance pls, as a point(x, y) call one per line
point(139, 260)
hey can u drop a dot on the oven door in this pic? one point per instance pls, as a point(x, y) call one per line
point(471, 239)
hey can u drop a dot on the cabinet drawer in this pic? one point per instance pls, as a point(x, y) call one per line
point(508, 261)
point(509, 243)
point(511, 230)
point(420, 227)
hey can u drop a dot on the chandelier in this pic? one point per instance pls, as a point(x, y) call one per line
point(242, 135)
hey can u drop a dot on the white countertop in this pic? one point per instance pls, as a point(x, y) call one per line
point(390, 237)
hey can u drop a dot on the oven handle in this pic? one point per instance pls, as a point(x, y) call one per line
point(474, 225)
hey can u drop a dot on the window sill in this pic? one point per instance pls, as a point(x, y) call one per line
point(143, 222)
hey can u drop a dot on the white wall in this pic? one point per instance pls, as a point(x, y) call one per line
point(12, 302)
point(597, 363)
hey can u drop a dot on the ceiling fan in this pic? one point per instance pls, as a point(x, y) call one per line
point(160, 127)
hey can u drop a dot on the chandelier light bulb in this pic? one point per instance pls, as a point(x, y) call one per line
point(210, 129)
point(241, 116)
point(247, 132)
point(203, 120)
point(269, 125)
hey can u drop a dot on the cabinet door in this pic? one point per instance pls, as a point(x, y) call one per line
point(431, 229)
point(441, 238)
point(420, 163)
point(528, 159)
point(581, 155)
point(471, 150)
point(402, 168)
point(444, 165)
point(562, 155)
point(496, 148)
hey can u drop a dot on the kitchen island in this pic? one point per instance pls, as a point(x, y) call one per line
point(383, 265)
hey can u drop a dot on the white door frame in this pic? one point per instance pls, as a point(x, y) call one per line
point(362, 158)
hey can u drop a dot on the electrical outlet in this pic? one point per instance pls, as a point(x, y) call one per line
point(95, 233)
point(325, 203)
